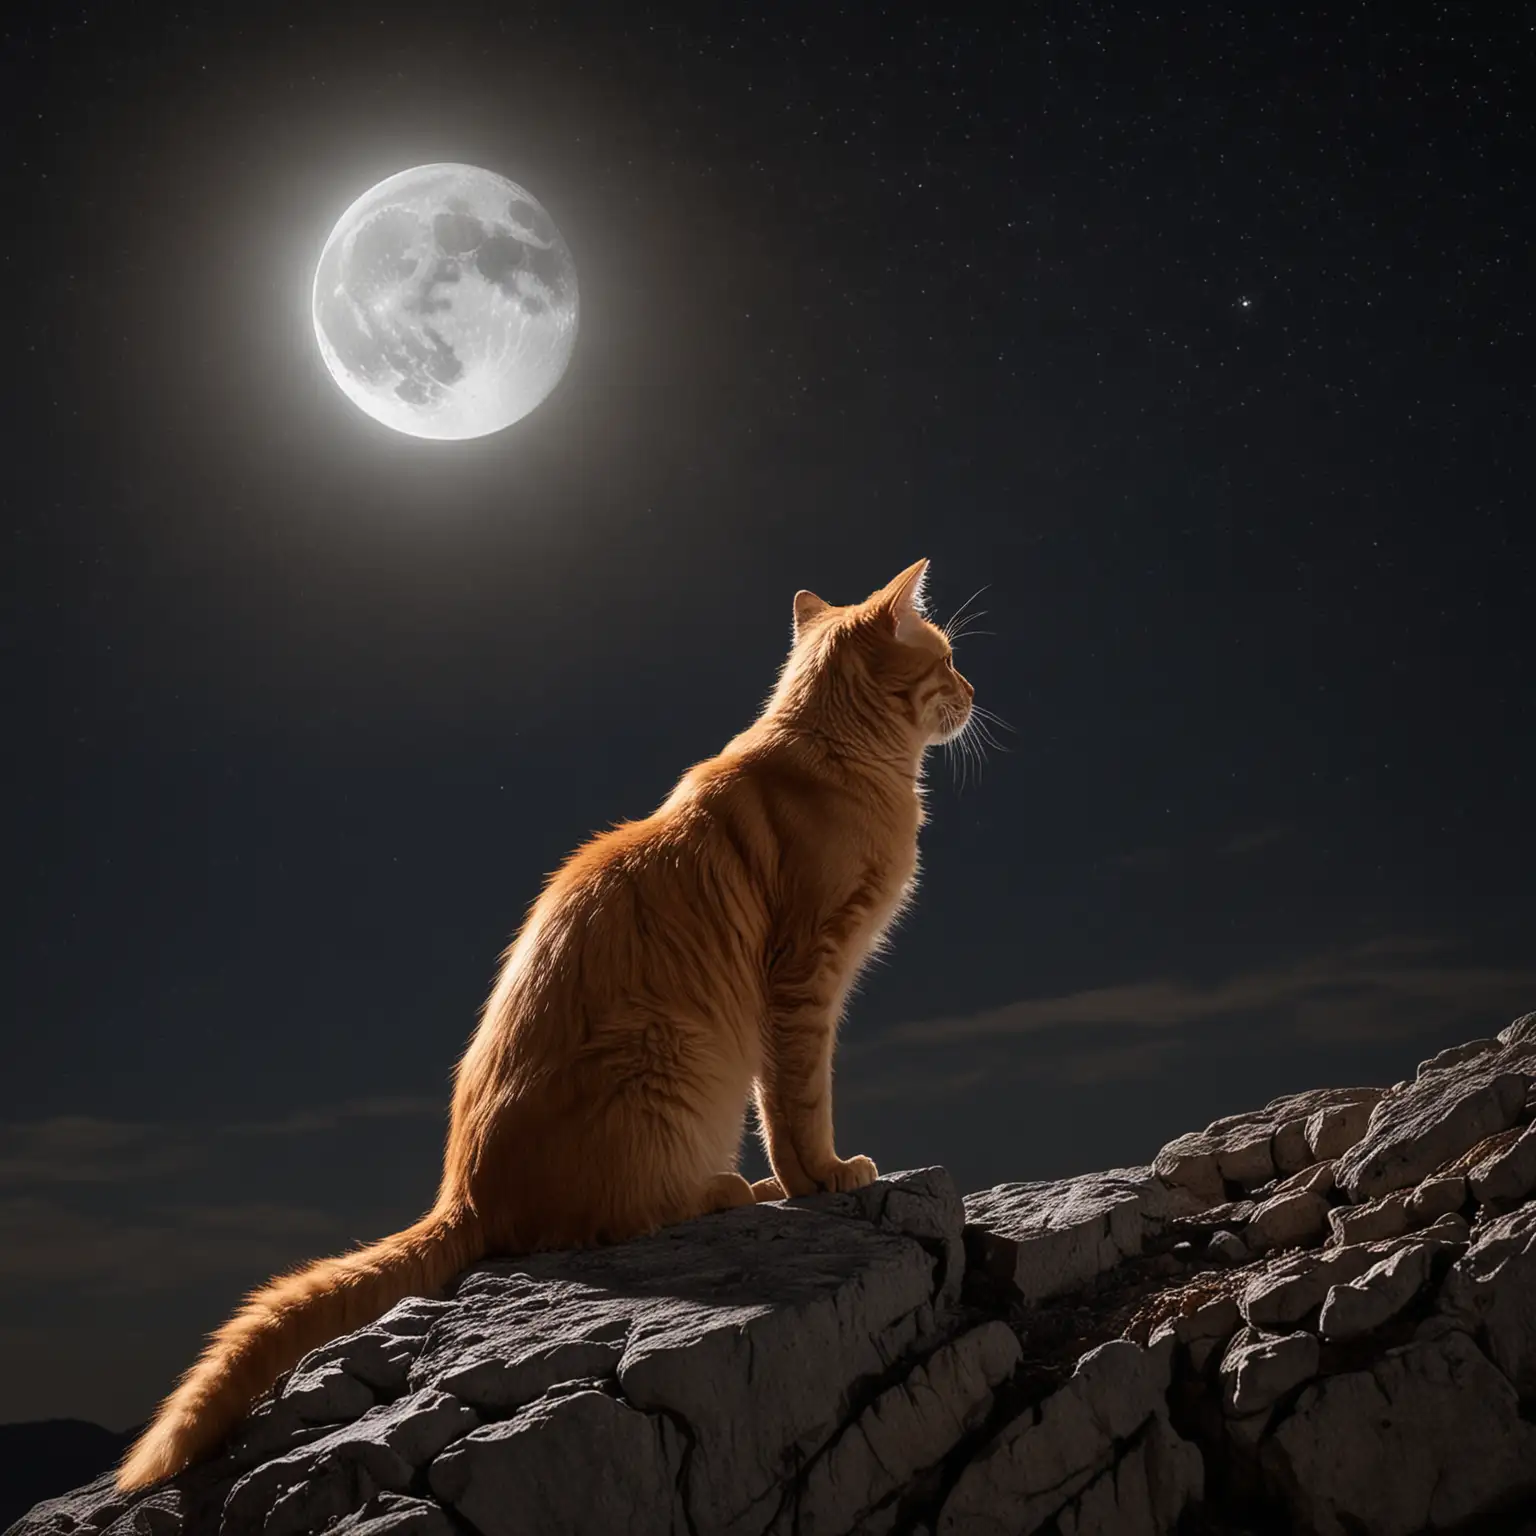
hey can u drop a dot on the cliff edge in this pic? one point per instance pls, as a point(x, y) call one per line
point(1319, 1316)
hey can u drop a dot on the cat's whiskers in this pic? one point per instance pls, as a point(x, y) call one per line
point(948, 629)
point(969, 744)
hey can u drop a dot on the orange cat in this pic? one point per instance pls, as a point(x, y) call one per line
point(674, 967)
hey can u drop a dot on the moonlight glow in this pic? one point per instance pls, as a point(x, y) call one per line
point(445, 302)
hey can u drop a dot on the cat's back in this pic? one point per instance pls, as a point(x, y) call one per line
point(695, 869)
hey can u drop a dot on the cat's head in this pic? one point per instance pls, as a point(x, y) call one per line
point(885, 660)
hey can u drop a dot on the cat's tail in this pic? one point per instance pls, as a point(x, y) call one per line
point(280, 1323)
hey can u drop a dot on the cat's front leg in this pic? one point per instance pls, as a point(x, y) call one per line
point(794, 1097)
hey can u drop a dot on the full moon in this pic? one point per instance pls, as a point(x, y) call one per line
point(445, 302)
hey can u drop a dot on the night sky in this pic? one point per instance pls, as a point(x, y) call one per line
point(1203, 343)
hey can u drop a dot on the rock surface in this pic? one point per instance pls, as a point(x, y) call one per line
point(1318, 1317)
point(1048, 1239)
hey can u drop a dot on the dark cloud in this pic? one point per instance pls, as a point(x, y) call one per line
point(48, 1244)
point(1353, 989)
point(1255, 841)
point(84, 1149)
point(1392, 989)
point(308, 1122)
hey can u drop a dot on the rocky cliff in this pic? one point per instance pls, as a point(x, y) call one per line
point(1319, 1316)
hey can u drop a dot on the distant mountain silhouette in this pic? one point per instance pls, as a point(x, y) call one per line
point(43, 1459)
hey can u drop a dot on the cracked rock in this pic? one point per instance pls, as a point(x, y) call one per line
point(1228, 1248)
point(1438, 1195)
point(1039, 1463)
point(1455, 1055)
point(1250, 1149)
point(396, 1514)
point(1046, 1239)
point(1289, 1148)
point(1146, 1490)
point(1259, 1369)
point(1285, 1221)
point(1418, 1126)
point(1376, 1219)
point(308, 1488)
point(890, 1362)
point(906, 1431)
point(1332, 1130)
point(1317, 1179)
point(1290, 1289)
point(1360, 1305)
point(1216, 1319)
point(1491, 1290)
point(1190, 1163)
point(1428, 1437)
point(574, 1463)
point(1509, 1174)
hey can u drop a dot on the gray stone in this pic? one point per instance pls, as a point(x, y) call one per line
point(1332, 1131)
point(1284, 1221)
point(1316, 1179)
point(1437, 1196)
point(1038, 1464)
point(1189, 1161)
point(1421, 1125)
point(1376, 1219)
point(379, 1357)
point(1243, 1156)
point(396, 1514)
point(1202, 1351)
point(578, 1463)
point(1436, 1326)
point(906, 1431)
point(310, 1487)
point(326, 1394)
point(759, 1359)
point(1251, 1148)
point(750, 1329)
point(1228, 1247)
point(1509, 1174)
point(501, 1373)
point(1046, 1239)
point(1455, 1055)
point(1427, 1437)
point(1289, 1289)
point(741, 1346)
point(1289, 1148)
point(923, 1205)
point(1491, 1292)
point(1361, 1305)
point(1259, 1369)
point(1452, 1230)
point(1217, 1318)
point(1290, 1107)
point(804, 1367)
point(1230, 1213)
point(1146, 1491)
point(1521, 1032)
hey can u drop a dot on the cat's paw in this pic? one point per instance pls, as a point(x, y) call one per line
point(768, 1189)
point(846, 1173)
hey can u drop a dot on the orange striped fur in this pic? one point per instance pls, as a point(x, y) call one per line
point(671, 970)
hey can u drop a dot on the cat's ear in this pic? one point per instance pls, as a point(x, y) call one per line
point(902, 599)
point(807, 608)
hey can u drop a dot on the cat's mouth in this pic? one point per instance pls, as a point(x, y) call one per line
point(953, 719)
